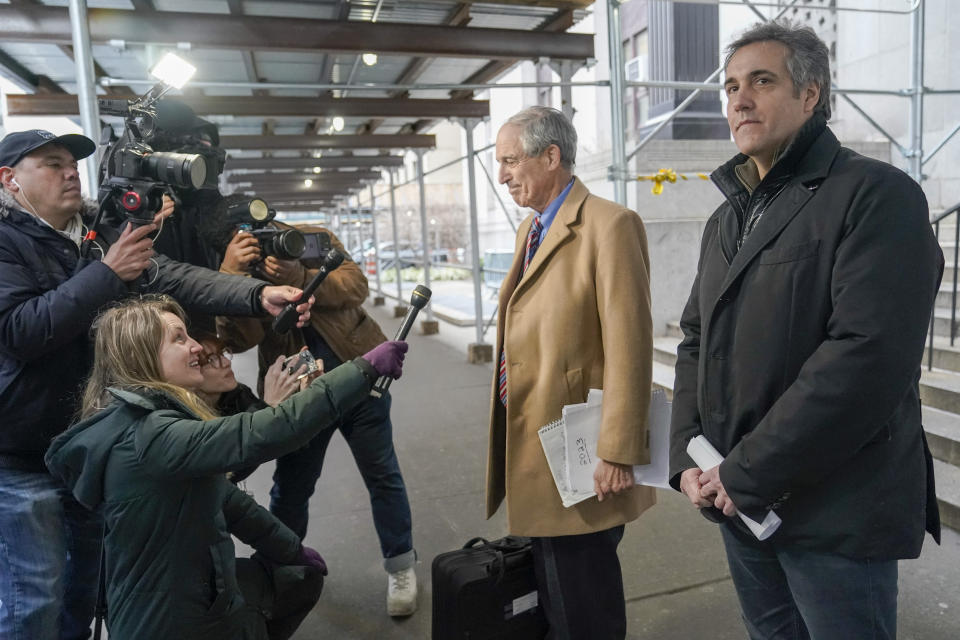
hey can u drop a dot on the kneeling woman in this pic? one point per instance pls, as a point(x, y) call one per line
point(152, 456)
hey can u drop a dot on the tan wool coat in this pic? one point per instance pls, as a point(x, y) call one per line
point(578, 319)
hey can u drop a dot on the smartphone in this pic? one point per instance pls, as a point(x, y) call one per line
point(297, 360)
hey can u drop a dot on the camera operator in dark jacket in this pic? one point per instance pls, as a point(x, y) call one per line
point(49, 296)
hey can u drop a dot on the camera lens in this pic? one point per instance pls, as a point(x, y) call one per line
point(179, 169)
point(289, 244)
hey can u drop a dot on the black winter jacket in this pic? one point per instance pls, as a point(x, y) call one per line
point(49, 297)
point(802, 350)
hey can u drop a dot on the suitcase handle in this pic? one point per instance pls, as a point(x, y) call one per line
point(509, 543)
point(473, 542)
point(498, 547)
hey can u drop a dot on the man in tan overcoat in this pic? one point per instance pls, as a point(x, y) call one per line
point(574, 315)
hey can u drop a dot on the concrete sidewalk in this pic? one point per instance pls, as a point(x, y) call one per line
point(675, 576)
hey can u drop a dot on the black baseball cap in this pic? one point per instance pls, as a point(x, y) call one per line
point(18, 144)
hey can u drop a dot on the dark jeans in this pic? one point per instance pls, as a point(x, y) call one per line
point(369, 433)
point(49, 559)
point(794, 594)
point(580, 585)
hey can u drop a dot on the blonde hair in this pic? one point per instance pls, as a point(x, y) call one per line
point(129, 336)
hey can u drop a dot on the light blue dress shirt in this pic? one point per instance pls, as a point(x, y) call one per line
point(548, 214)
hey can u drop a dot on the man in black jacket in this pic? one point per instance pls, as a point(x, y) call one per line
point(803, 340)
point(49, 296)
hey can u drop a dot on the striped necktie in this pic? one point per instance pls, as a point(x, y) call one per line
point(533, 243)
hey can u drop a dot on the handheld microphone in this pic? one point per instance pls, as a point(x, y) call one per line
point(418, 300)
point(288, 317)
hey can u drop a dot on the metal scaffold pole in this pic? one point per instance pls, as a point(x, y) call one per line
point(377, 299)
point(86, 89)
point(917, 29)
point(618, 170)
point(478, 351)
point(401, 308)
point(429, 325)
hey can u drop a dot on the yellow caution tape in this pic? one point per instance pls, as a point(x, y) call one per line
point(668, 175)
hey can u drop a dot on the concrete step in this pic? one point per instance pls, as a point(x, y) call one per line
point(948, 270)
point(940, 389)
point(674, 330)
point(665, 350)
point(941, 322)
point(945, 355)
point(945, 295)
point(948, 493)
point(943, 434)
point(663, 378)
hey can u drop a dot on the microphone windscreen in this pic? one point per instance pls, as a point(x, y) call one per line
point(420, 296)
point(333, 260)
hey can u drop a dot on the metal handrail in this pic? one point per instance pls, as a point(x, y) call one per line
point(954, 210)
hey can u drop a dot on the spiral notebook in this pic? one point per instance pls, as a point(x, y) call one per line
point(570, 446)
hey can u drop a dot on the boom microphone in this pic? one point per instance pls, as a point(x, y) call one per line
point(288, 317)
point(418, 300)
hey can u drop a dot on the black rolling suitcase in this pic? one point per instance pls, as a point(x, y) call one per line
point(487, 591)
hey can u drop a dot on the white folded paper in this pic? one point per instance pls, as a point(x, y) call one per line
point(707, 457)
point(570, 446)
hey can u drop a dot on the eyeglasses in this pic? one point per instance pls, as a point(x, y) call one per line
point(216, 360)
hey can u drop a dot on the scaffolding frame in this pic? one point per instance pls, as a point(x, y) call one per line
point(618, 170)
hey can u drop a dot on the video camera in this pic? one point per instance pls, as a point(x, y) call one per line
point(134, 177)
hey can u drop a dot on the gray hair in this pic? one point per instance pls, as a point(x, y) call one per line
point(541, 127)
point(808, 59)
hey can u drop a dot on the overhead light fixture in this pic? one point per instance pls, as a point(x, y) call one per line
point(317, 169)
point(338, 123)
point(308, 182)
point(173, 70)
point(318, 154)
point(369, 59)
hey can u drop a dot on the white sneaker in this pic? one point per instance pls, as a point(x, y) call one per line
point(402, 592)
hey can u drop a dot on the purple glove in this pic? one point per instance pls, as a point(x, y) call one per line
point(310, 558)
point(387, 358)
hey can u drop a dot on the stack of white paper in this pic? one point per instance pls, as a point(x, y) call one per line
point(570, 446)
point(707, 457)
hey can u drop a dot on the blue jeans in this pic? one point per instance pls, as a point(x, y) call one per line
point(369, 434)
point(795, 594)
point(49, 559)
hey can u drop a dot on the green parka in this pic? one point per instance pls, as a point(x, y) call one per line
point(157, 474)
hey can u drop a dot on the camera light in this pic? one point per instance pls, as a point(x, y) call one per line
point(259, 210)
point(251, 211)
point(338, 123)
point(308, 182)
point(369, 59)
point(317, 169)
point(173, 70)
